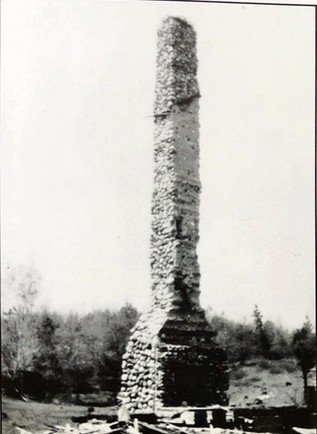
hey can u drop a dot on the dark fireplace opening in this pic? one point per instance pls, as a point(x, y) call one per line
point(187, 385)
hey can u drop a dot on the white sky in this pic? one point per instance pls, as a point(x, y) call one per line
point(77, 167)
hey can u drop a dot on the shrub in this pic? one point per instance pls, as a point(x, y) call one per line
point(255, 379)
point(276, 369)
point(238, 374)
point(246, 382)
point(278, 366)
point(264, 364)
point(251, 362)
point(288, 365)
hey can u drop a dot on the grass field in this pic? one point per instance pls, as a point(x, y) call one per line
point(277, 383)
point(36, 416)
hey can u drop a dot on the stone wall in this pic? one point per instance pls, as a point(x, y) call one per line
point(172, 356)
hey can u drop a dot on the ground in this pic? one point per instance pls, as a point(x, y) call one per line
point(36, 416)
point(275, 383)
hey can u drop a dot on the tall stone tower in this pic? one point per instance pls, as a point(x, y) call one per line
point(171, 356)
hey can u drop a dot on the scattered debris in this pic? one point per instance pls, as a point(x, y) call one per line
point(22, 431)
point(297, 430)
point(215, 419)
point(123, 414)
point(264, 396)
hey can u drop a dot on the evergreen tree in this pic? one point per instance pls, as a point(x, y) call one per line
point(262, 340)
point(46, 361)
point(304, 346)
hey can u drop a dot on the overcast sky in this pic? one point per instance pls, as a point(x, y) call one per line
point(78, 83)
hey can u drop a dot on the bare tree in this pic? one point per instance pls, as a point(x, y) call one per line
point(19, 334)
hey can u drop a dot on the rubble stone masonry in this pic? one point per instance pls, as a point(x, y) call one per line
point(171, 357)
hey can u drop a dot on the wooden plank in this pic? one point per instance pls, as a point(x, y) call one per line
point(152, 428)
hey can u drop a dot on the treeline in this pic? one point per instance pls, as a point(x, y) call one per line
point(47, 355)
point(265, 340)
point(243, 341)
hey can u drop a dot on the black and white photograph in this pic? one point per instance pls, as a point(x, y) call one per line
point(158, 217)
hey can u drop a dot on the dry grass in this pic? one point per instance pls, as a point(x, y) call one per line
point(280, 380)
point(36, 416)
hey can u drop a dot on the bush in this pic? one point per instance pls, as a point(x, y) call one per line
point(264, 364)
point(277, 366)
point(276, 369)
point(288, 365)
point(101, 399)
point(238, 374)
point(251, 362)
point(255, 379)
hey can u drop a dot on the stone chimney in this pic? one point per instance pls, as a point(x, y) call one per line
point(172, 357)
